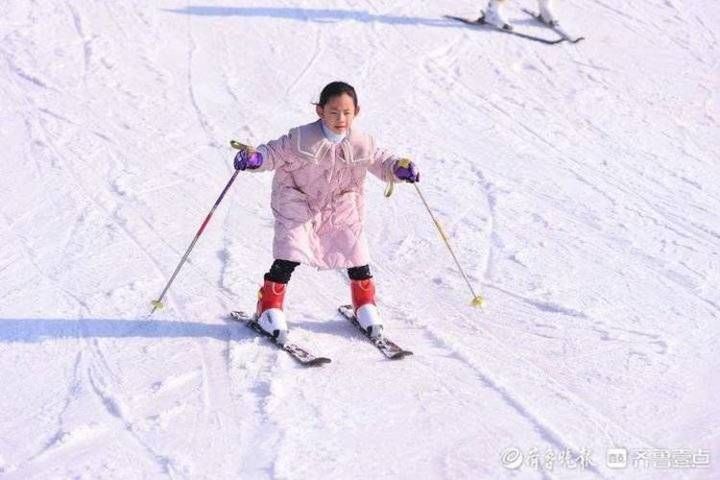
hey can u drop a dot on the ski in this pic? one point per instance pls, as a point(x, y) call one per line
point(296, 351)
point(556, 28)
point(481, 23)
point(389, 348)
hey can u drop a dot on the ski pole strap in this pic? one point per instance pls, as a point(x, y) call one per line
point(237, 145)
point(390, 188)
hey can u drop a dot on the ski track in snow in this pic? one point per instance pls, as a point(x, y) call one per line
point(576, 185)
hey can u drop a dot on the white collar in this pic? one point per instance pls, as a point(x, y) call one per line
point(332, 137)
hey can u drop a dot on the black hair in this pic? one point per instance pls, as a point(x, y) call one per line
point(335, 89)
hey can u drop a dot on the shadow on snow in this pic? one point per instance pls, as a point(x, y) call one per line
point(30, 330)
point(313, 15)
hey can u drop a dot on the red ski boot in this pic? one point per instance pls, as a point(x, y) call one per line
point(363, 298)
point(269, 314)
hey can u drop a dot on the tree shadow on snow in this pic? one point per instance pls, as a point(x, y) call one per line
point(313, 15)
point(32, 330)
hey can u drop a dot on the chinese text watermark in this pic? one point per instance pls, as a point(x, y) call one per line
point(514, 458)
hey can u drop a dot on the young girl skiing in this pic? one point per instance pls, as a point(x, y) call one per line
point(318, 204)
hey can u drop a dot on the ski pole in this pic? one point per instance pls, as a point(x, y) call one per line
point(477, 300)
point(158, 303)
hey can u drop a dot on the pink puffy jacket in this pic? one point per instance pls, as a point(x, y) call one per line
point(318, 195)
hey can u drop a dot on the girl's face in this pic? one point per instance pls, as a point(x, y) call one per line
point(338, 113)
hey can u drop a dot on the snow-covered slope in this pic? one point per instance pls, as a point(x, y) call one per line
point(578, 184)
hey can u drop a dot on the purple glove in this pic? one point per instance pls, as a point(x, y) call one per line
point(247, 158)
point(406, 170)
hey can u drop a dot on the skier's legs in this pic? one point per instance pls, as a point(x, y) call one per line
point(494, 14)
point(547, 13)
point(281, 270)
point(359, 273)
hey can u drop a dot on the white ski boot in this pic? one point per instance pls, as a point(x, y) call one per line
point(368, 316)
point(494, 15)
point(547, 15)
